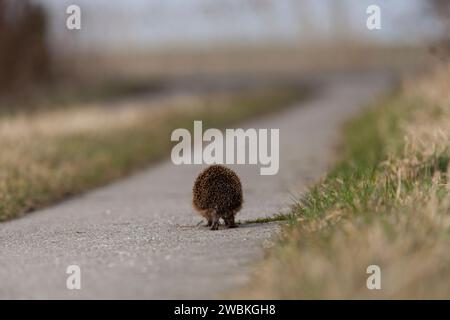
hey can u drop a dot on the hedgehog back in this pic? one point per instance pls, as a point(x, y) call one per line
point(219, 188)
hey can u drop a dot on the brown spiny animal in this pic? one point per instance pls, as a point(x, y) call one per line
point(218, 194)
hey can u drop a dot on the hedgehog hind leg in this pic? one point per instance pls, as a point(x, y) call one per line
point(215, 220)
point(207, 214)
point(229, 222)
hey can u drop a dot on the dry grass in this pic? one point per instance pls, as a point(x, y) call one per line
point(386, 204)
point(48, 155)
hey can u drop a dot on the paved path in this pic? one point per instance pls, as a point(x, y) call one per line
point(138, 238)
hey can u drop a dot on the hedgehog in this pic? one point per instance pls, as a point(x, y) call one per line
point(217, 193)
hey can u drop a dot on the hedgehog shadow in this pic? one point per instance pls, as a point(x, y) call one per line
point(202, 225)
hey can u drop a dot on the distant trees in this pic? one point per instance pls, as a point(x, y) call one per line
point(24, 52)
point(441, 9)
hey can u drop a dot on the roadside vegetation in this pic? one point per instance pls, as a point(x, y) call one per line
point(50, 154)
point(386, 203)
point(71, 93)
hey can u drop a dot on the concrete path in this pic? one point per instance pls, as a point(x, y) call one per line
point(138, 238)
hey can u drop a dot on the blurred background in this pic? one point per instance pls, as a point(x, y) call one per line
point(138, 46)
point(82, 108)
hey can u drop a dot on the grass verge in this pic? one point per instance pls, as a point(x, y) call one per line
point(48, 155)
point(386, 203)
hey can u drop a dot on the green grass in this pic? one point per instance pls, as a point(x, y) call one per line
point(50, 155)
point(352, 183)
point(387, 202)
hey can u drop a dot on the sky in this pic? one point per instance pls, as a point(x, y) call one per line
point(155, 24)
